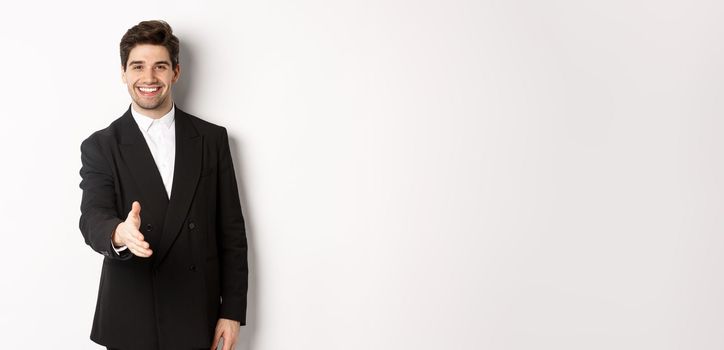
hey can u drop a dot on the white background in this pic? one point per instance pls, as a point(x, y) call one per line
point(414, 174)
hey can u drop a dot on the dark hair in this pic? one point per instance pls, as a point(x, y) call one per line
point(150, 32)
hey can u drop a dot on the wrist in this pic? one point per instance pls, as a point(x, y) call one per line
point(115, 238)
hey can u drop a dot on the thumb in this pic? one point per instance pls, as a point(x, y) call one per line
point(135, 212)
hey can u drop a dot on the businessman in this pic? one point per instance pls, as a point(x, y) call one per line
point(160, 203)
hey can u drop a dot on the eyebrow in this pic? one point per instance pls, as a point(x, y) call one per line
point(141, 62)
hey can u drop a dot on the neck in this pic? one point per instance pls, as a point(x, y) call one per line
point(155, 113)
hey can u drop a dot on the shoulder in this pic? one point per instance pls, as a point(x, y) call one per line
point(106, 136)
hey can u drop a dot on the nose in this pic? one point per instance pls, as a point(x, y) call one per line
point(148, 76)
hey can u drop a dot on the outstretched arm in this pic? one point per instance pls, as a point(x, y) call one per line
point(100, 224)
point(99, 217)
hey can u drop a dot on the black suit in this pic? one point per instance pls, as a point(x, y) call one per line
point(198, 270)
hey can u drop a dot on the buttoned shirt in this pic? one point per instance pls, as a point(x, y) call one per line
point(160, 135)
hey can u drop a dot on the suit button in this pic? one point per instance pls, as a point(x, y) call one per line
point(192, 268)
point(149, 228)
point(192, 226)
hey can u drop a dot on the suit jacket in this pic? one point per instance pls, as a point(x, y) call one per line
point(198, 270)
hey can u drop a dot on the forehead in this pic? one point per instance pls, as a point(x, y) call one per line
point(149, 53)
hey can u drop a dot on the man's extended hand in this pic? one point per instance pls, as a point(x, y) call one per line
point(127, 233)
point(227, 329)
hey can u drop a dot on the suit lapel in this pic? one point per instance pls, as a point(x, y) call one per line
point(187, 169)
point(139, 161)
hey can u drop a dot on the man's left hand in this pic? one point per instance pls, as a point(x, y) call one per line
point(227, 329)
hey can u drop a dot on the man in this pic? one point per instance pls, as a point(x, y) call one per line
point(160, 202)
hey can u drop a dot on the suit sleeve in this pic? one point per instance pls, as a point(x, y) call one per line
point(99, 217)
point(231, 237)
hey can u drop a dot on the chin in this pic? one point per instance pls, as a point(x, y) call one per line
point(149, 105)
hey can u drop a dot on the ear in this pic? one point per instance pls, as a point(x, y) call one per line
point(176, 73)
point(123, 75)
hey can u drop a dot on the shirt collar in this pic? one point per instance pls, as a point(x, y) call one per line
point(145, 122)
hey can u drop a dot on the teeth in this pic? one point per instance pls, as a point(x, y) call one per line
point(148, 89)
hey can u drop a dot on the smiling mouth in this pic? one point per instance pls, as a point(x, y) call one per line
point(149, 91)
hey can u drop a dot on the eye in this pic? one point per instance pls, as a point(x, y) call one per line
point(137, 67)
point(160, 67)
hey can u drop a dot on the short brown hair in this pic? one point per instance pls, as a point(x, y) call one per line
point(150, 32)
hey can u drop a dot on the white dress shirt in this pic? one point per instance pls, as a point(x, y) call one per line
point(160, 136)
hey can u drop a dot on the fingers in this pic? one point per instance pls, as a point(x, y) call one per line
point(230, 338)
point(217, 337)
point(140, 248)
point(226, 333)
point(134, 240)
point(132, 236)
point(224, 343)
point(140, 251)
point(231, 345)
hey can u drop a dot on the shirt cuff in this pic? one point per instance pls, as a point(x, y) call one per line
point(119, 249)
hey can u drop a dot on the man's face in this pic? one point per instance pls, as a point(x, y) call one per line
point(149, 77)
